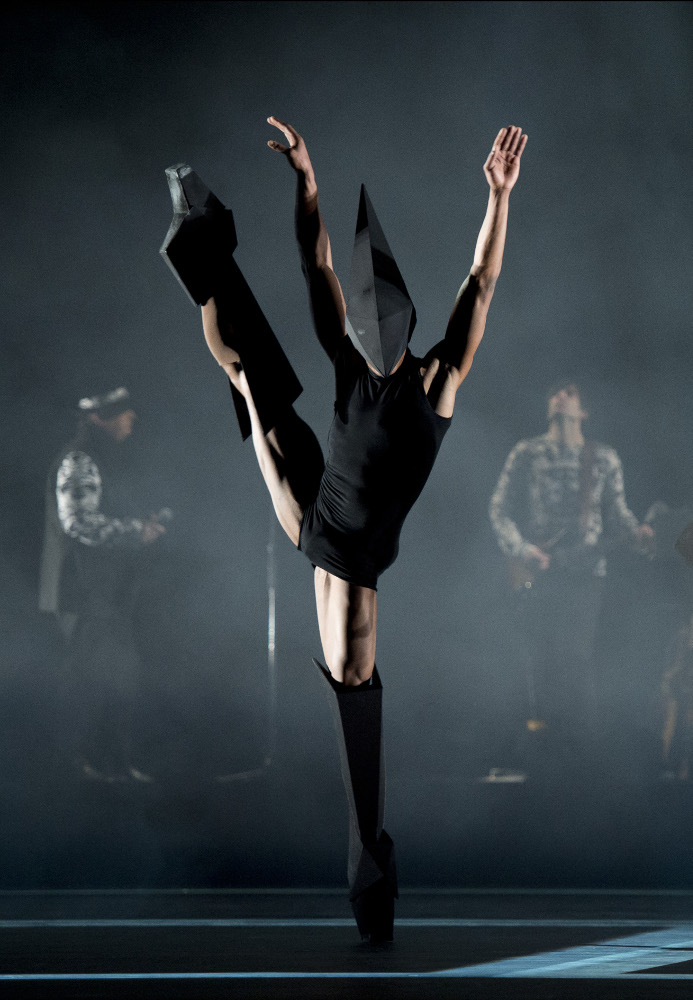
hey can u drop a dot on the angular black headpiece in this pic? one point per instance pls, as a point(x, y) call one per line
point(380, 317)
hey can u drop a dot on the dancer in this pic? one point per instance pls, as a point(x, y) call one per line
point(391, 413)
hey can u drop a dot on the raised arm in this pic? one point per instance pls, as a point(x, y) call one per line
point(326, 297)
point(447, 364)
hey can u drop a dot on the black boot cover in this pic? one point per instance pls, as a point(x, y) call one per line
point(199, 250)
point(357, 713)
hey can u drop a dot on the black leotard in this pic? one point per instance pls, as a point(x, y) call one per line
point(381, 448)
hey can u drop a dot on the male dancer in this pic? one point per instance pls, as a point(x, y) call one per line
point(392, 411)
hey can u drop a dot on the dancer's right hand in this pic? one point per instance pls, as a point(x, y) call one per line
point(502, 168)
point(533, 553)
point(151, 530)
point(296, 152)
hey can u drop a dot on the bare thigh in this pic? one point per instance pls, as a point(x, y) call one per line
point(289, 456)
point(290, 460)
point(347, 618)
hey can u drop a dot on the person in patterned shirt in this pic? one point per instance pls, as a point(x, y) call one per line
point(558, 504)
point(88, 573)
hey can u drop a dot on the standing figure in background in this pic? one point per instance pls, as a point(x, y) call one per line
point(392, 411)
point(559, 501)
point(89, 570)
point(677, 682)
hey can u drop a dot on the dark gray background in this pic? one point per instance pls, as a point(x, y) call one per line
point(97, 99)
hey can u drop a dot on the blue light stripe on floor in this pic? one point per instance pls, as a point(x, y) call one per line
point(50, 977)
point(136, 976)
point(604, 960)
point(585, 961)
point(272, 922)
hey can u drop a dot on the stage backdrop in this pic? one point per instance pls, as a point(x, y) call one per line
point(97, 100)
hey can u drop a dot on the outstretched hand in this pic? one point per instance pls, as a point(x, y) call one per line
point(502, 168)
point(151, 530)
point(533, 553)
point(296, 152)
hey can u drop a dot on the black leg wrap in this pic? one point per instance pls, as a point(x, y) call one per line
point(357, 713)
point(198, 248)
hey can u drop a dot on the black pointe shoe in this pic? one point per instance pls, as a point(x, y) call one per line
point(202, 234)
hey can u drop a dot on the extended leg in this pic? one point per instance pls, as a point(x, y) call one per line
point(199, 250)
point(288, 454)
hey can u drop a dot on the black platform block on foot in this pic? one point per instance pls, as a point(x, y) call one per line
point(374, 904)
point(357, 713)
point(201, 237)
point(199, 248)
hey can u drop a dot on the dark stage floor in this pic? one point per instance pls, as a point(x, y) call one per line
point(292, 943)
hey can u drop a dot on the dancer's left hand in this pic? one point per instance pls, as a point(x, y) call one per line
point(502, 168)
point(296, 152)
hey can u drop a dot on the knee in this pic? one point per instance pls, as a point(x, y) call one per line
point(236, 375)
point(357, 673)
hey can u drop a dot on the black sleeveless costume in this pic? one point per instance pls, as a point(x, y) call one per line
point(382, 445)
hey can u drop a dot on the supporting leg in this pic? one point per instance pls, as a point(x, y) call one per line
point(347, 619)
point(357, 712)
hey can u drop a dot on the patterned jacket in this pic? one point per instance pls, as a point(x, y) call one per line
point(78, 492)
point(79, 531)
point(540, 500)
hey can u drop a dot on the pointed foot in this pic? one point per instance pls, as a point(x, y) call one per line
point(373, 898)
point(201, 237)
point(374, 910)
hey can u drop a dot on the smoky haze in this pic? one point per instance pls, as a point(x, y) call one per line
point(98, 99)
